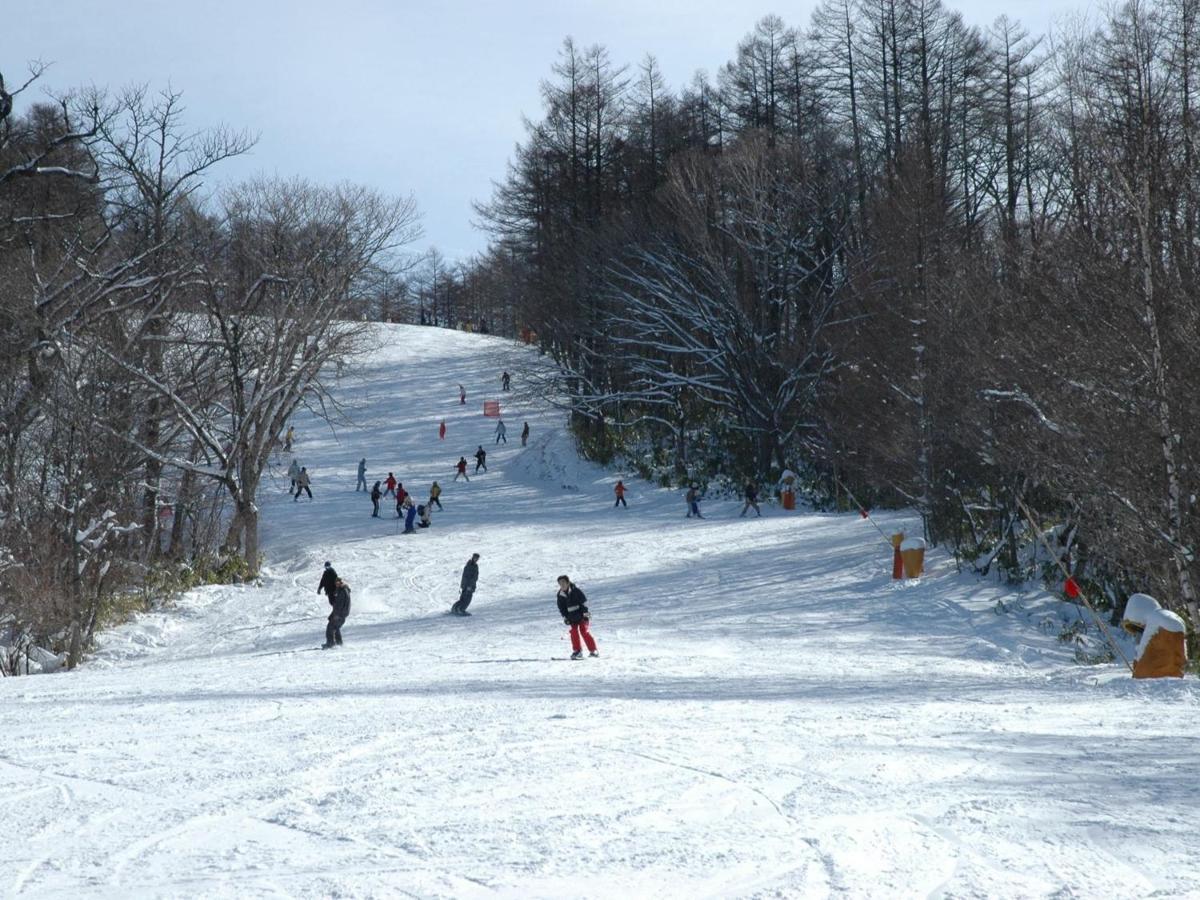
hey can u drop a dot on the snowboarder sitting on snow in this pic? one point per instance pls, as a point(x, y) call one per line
point(619, 490)
point(693, 502)
point(410, 515)
point(572, 604)
point(470, 577)
point(480, 459)
point(376, 493)
point(751, 494)
point(340, 601)
point(435, 491)
point(461, 466)
point(424, 520)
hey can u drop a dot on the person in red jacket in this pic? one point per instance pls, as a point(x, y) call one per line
point(461, 466)
point(390, 484)
point(619, 490)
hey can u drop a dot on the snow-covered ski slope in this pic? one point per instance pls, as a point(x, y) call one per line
point(770, 717)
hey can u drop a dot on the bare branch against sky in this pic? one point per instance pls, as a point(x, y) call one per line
point(404, 96)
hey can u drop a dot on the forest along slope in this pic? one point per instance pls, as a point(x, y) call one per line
point(770, 715)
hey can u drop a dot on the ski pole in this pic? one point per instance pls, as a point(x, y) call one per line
point(866, 515)
point(1066, 574)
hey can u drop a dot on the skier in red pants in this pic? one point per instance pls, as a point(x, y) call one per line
point(572, 604)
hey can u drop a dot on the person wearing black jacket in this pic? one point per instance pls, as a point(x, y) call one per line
point(480, 459)
point(470, 577)
point(329, 580)
point(572, 605)
point(338, 615)
point(376, 495)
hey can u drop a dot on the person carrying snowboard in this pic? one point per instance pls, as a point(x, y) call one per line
point(525, 435)
point(361, 485)
point(410, 515)
point(376, 493)
point(692, 499)
point(391, 485)
point(435, 492)
point(466, 586)
point(293, 473)
point(461, 466)
point(572, 605)
point(480, 459)
point(619, 490)
point(340, 601)
point(302, 484)
point(751, 494)
point(501, 432)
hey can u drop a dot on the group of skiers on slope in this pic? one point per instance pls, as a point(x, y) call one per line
point(415, 515)
point(301, 482)
point(572, 606)
point(502, 433)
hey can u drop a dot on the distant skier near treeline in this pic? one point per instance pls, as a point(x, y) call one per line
point(340, 601)
point(480, 459)
point(376, 493)
point(466, 586)
point(692, 498)
point(751, 494)
point(619, 491)
point(572, 605)
point(461, 467)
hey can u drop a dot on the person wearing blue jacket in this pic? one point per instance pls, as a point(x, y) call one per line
point(409, 516)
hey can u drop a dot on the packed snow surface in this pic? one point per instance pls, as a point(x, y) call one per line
point(771, 716)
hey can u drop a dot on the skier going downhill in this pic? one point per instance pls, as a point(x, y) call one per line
point(293, 474)
point(619, 491)
point(751, 494)
point(466, 586)
point(525, 435)
point(480, 459)
point(435, 492)
point(340, 601)
point(302, 484)
point(461, 469)
point(329, 579)
point(572, 605)
point(501, 432)
point(361, 485)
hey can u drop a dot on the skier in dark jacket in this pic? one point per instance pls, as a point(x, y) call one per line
point(361, 484)
point(376, 494)
point(525, 435)
point(572, 605)
point(340, 601)
point(480, 459)
point(329, 580)
point(751, 494)
point(470, 576)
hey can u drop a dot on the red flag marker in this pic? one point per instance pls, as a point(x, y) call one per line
point(1071, 589)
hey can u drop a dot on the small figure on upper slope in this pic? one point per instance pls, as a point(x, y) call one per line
point(462, 394)
point(466, 586)
point(289, 438)
point(572, 606)
point(501, 432)
point(461, 467)
point(293, 473)
point(442, 430)
point(361, 485)
point(692, 498)
point(525, 435)
point(480, 459)
point(751, 494)
point(505, 381)
point(376, 493)
point(619, 490)
point(340, 601)
point(435, 491)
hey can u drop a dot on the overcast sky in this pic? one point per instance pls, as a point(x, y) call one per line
point(421, 97)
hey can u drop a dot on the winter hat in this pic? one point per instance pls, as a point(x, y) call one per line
point(328, 564)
